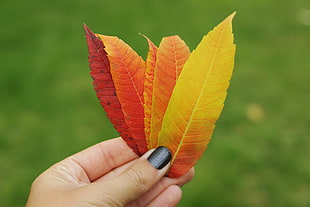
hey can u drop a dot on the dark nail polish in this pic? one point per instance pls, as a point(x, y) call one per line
point(160, 157)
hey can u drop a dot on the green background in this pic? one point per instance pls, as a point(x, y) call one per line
point(259, 154)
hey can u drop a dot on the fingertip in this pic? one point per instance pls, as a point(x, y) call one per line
point(177, 192)
point(180, 181)
point(160, 157)
point(191, 174)
point(174, 194)
point(168, 198)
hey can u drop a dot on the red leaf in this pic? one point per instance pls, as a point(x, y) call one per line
point(104, 87)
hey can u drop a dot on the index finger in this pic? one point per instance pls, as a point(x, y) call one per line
point(101, 158)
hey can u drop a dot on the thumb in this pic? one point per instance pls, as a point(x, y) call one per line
point(142, 175)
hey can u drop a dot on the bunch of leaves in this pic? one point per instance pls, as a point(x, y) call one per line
point(172, 99)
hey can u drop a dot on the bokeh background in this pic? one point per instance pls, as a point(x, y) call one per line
point(260, 151)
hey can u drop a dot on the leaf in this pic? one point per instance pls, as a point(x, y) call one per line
point(171, 56)
point(104, 87)
point(148, 87)
point(127, 69)
point(198, 97)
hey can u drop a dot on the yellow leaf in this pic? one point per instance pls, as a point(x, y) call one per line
point(198, 98)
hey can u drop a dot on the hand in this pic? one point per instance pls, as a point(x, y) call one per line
point(108, 174)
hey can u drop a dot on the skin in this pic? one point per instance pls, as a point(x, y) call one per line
point(106, 174)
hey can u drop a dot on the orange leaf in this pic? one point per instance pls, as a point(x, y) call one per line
point(171, 56)
point(104, 87)
point(198, 97)
point(127, 69)
point(148, 87)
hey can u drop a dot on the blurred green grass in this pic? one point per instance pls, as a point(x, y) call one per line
point(259, 155)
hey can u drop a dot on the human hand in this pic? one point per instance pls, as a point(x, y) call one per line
point(108, 174)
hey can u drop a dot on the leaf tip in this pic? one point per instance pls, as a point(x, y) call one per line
point(228, 20)
point(230, 17)
point(87, 30)
point(151, 44)
point(143, 35)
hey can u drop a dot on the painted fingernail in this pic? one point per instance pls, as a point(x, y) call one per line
point(160, 157)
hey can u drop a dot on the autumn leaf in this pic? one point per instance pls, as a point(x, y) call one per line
point(171, 56)
point(127, 69)
point(198, 97)
point(104, 87)
point(148, 88)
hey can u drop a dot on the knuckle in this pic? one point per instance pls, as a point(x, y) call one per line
point(112, 201)
point(138, 178)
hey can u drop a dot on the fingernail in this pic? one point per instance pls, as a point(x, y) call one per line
point(160, 157)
